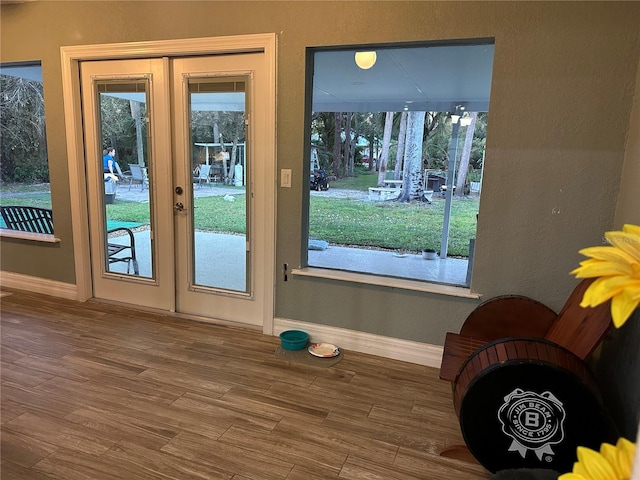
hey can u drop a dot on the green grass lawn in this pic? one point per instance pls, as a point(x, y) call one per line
point(362, 181)
point(34, 199)
point(211, 213)
point(389, 225)
point(386, 225)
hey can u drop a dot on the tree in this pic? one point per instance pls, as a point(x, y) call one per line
point(337, 143)
point(135, 113)
point(238, 133)
point(463, 168)
point(117, 126)
point(347, 143)
point(378, 123)
point(225, 165)
point(22, 131)
point(353, 140)
point(214, 127)
point(412, 188)
point(384, 155)
point(397, 172)
point(370, 128)
point(438, 135)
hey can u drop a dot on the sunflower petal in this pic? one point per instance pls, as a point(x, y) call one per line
point(628, 242)
point(622, 306)
point(632, 229)
point(595, 464)
point(626, 451)
point(607, 253)
point(610, 453)
point(594, 294)
point(572, 476)
point(604, 288)
point(579, 469)
point(600, 268)
point(615, 269)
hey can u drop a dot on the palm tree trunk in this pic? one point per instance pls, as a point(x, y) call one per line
point(347, 143)
point(412, 188)
point(384, 155)
point(463, 168)
point(397, 172)
point(354, 142)
point(337, 141)
point(135, 114)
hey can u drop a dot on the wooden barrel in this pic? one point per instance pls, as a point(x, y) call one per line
point(528, 403)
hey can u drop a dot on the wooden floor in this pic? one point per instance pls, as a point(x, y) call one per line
point(91, 391)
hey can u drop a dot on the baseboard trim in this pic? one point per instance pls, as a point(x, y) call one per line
point(395, 348)
point(44, 286)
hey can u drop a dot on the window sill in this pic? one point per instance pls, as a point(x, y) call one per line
point(392, 282)
point(35, 237)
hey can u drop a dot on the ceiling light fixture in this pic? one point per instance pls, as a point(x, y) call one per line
point(366, 60)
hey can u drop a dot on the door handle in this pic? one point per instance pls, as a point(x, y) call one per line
point(178, 207)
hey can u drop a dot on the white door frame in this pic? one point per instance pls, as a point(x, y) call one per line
point(72, 56)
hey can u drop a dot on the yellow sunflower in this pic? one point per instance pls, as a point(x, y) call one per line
point(611, 463)
point(616, 268)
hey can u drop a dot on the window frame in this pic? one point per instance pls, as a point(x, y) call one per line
point(18, 234)
point(355, 276)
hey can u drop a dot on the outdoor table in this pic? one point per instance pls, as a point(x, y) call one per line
point(393, 183)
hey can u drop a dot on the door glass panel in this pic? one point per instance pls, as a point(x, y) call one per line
point(127, 203)
point(219, 164)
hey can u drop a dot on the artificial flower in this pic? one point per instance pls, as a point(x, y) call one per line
point(616, 268)
point(611, 463)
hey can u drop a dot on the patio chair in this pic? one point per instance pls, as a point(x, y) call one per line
point(115, 250)
point(203, 175)
point(124, 177)
point(138, 174)
point(516, 360)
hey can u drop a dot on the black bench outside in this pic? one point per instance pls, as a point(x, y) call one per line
point(28, 219)
point(40, 220)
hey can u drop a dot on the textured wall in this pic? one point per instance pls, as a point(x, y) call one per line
point(564, 77)
point(618, 365)
point(628, 208)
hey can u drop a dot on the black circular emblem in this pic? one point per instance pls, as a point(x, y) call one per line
point(530, 415)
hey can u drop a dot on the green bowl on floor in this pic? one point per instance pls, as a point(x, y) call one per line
point(294, 339)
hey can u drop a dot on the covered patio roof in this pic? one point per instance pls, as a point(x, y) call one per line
point(420, 78)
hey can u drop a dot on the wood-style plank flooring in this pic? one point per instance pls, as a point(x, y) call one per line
point(92, 391)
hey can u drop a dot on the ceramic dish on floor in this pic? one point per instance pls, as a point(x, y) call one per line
point(323, 350)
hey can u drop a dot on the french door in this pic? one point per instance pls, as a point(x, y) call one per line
point(190, 129)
